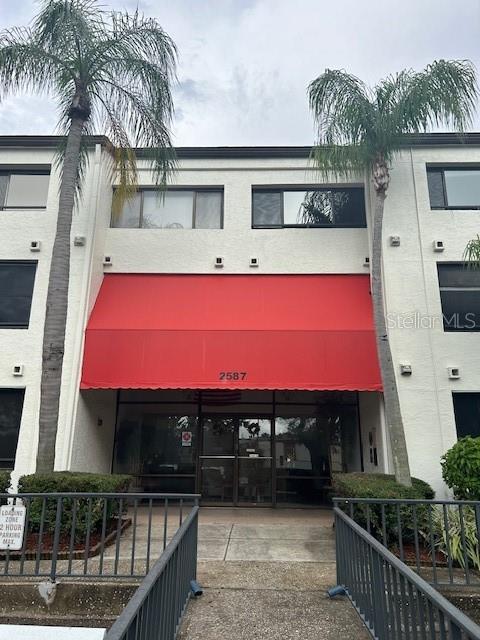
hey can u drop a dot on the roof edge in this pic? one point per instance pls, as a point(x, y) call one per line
point(281, 151)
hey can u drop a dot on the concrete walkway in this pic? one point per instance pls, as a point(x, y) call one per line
point(264, 574)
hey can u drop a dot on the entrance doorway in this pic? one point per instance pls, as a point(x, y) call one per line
point(238, 448)
point(236, 460)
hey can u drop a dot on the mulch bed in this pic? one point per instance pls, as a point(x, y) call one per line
point(424, 553)
point(78, 553)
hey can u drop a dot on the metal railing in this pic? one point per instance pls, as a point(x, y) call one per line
point(156, 608)
point(393, 601)
point(440, 538)
point(94, 534)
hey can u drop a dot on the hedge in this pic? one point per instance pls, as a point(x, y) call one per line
point(379, 485)
point(385, 487)
point(73, 482)
point(4, 481)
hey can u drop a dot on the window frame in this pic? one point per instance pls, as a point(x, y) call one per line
point(457, 289)
point(282, 188)
point(41, 171)
point(441, 170)
point(21, 325)
point(203, 189)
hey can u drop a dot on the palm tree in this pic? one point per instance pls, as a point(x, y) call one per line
point(360, 129)
point(110, 71)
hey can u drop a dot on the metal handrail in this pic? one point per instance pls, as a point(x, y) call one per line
point(174, 594)
point(101, 535)
point(337, 500)
point(438, 536)
point(85, 494)
point(387, 594)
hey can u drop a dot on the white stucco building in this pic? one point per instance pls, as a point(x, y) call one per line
point(221, 340)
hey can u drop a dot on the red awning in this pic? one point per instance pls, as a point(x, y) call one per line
point(312, 332)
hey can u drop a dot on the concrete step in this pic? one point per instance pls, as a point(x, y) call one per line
point(292, 576)
point(244, 614)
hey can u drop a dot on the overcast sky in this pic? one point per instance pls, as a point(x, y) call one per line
point(245, 64)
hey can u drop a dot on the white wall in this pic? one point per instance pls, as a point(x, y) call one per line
point(17, 229)
point(410, 279)
point(370, 416)
point(278, 250)
point(94, 431)
point(411, 284)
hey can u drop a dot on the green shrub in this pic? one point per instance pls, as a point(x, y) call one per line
point(4, 481)
point(384, 487)
point(73, 482)
point(379, 485)
point(461, 468)
point(450, 530)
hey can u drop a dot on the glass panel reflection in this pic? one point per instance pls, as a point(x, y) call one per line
point(150, 443)
point(254, 480)
point(254, 437)
point(217, 479)
point(310, 448)
point(172, 211)
point(301, 446)
point(218, 434)
point(463, 188)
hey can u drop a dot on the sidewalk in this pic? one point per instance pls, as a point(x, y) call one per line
point(264, 575)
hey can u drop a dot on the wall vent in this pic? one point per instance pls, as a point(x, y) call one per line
point(453, 373)
point(17, 370)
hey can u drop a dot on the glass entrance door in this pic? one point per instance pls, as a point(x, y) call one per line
point(236, 460)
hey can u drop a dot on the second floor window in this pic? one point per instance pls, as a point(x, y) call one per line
point(315, 207)
point(175, 209)
point(23, 190)
point(16, 289)
point(454, 187)
point(460, 296)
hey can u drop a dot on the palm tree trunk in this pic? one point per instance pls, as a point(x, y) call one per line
point(390, 392)
point(57, 304)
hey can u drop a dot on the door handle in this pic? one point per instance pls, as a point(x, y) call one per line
point(217, 457)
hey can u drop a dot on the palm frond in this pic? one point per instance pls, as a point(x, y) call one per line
point(339, 162)
point(69, 24)
point(445, 93)
point(358, 127)
point(471, 255)
point(25, 66)
point(114, 70)
point(341, 108)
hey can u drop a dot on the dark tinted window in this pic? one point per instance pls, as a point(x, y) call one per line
point(11, 405)
point(454, 188)
point(16, 289)
point(309, 208)
point(467, 414)
point(267, 209)
point(460, 297)
point(435, 188)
